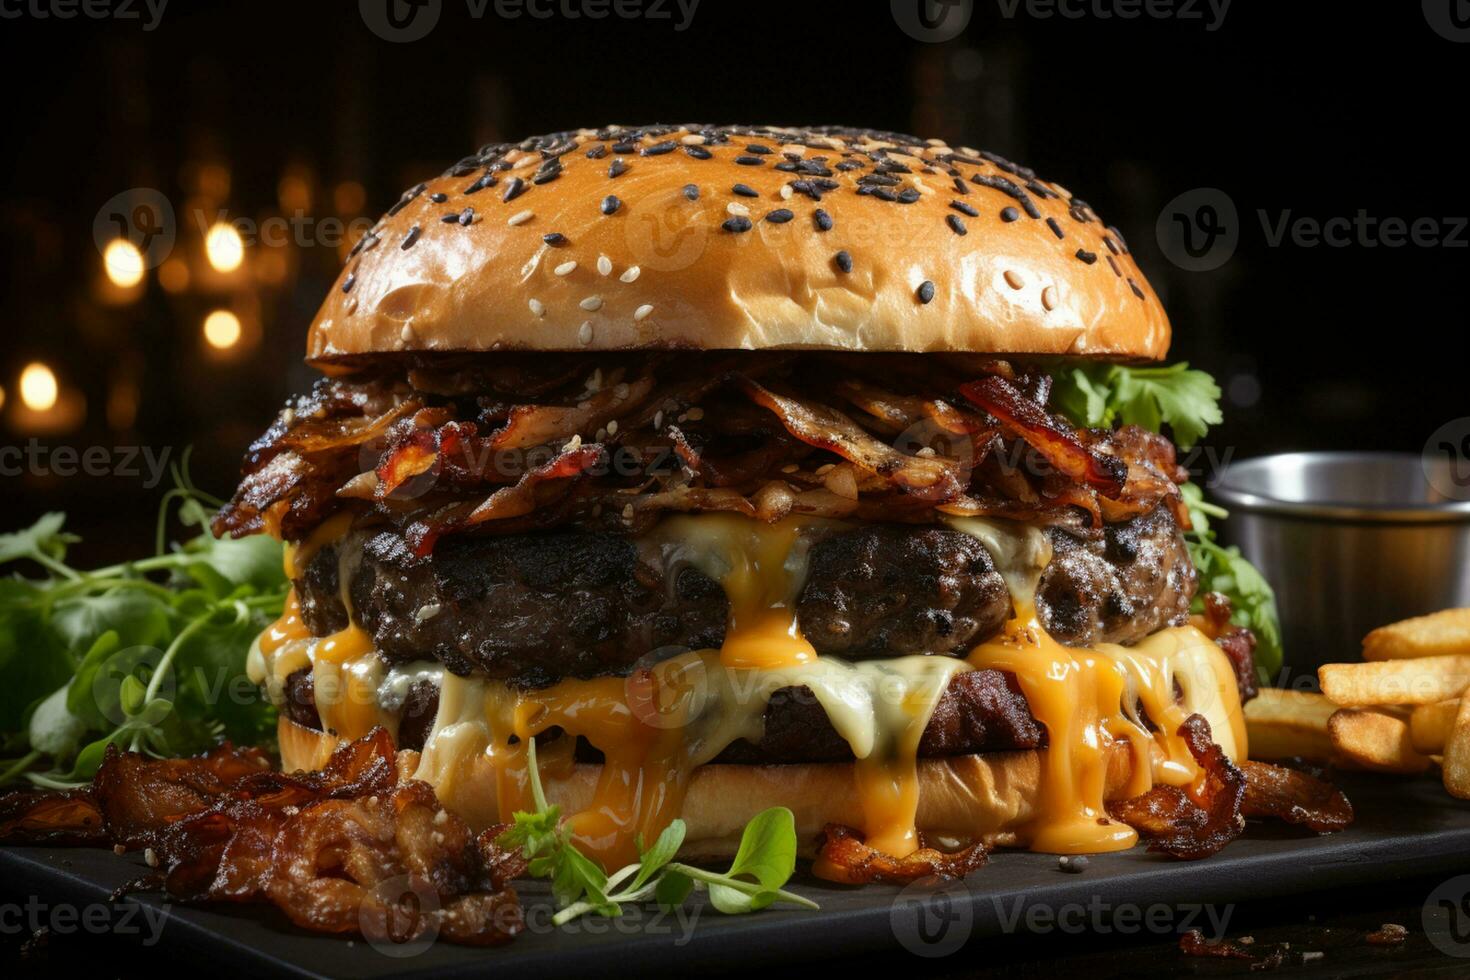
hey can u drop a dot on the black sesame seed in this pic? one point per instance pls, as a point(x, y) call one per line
point(757, 148)
point(349, 282)
point(616, 168)
point(1009, 214)
point(555, 239)
point(745, 190)
point(610, 204)
point(780, 216)
point(411, 237)
point(884, 194)
point(439, 198)
point(450, 218)
point(513, 188)
point(822, 219)
point(746, 160)
point(597, 152)
point(926, 291)
point(624, 147)
point(1086, 256)
point(1112, 245)
point(487, 179)
point(691, 192)
point(964, 209)
point(659, 149)
point(1055, 227)
point(786, 166)
point(698, 152)
point(955, 224)
point(1113, 264)
point(844, 261)
point(1134, 286)
point(546, 176)
point(736, 223)
point(908, 195)
point(959, 186)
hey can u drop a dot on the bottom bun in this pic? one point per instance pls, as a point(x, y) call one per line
point(962, 799)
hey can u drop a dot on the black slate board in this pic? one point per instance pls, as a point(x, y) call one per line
point(1403, 828)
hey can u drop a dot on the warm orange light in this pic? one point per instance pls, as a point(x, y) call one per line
point(38, 387)
point(2, 397)
point(224, 247)
point(222, 329)
point(173, 275)
point(349, 197)
point(294, 193)
point(123, 262)
point(122, 405)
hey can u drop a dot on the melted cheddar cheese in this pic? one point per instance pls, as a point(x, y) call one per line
point(656, 726)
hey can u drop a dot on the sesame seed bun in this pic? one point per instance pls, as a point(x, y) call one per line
point(987, 798)
point(748, 238)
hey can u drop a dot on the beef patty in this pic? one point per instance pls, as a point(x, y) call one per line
point(980, 711)
point(533, 609)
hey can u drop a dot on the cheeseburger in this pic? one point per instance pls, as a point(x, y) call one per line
point(727, 465)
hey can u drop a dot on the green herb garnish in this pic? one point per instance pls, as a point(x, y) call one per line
point(1188, 402)
point(148, 655)
point(764, 862)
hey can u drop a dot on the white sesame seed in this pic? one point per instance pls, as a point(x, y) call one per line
point(575, 442)
point(658, 419)
point(786, 192)
point(736, 208)
point(790, 468)
point(692, 139)
point(621, 391)
point(591, 303)
point(1049, 297)
point(407, 333)
point(612, 427)
point(428, 612)
point(627, 512)
point(441, 818)
point(584, 333)
point(150, 857)
point(1013, 279)
point(565, 269)
point(519, 218)
point(926, 452)
point(604, 265)
point(630, 274)
point(642, 312)
point(538, 308)
point(695, 414)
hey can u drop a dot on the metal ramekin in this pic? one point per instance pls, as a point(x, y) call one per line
point(1350, 541)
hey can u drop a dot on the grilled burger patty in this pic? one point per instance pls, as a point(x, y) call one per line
point(533, 609)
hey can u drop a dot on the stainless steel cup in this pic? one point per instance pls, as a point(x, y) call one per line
point(1350, 541)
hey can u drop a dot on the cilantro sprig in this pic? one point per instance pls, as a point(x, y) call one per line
point(1099, 395)
point(763, 863)
point(1188, 402)
point(147, 654)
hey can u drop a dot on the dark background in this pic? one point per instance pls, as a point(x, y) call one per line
point(265, 109)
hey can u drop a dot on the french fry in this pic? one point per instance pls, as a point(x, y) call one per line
point(1421, 681)
point(1375, 740)
point(1430, 726)
point(1282, 724)
point(1434, 635)
point(1456, 762)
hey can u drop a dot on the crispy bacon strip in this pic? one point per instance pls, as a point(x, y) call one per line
point(1059, 443)
point(930, 478)
point(1188, 826)
point(513, 501)
point(537, 425)
point(843, 857)
point(1294, 796)
point(346, 849)
point(69, 818)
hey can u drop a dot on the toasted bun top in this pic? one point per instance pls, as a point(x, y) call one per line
point(739, 237)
